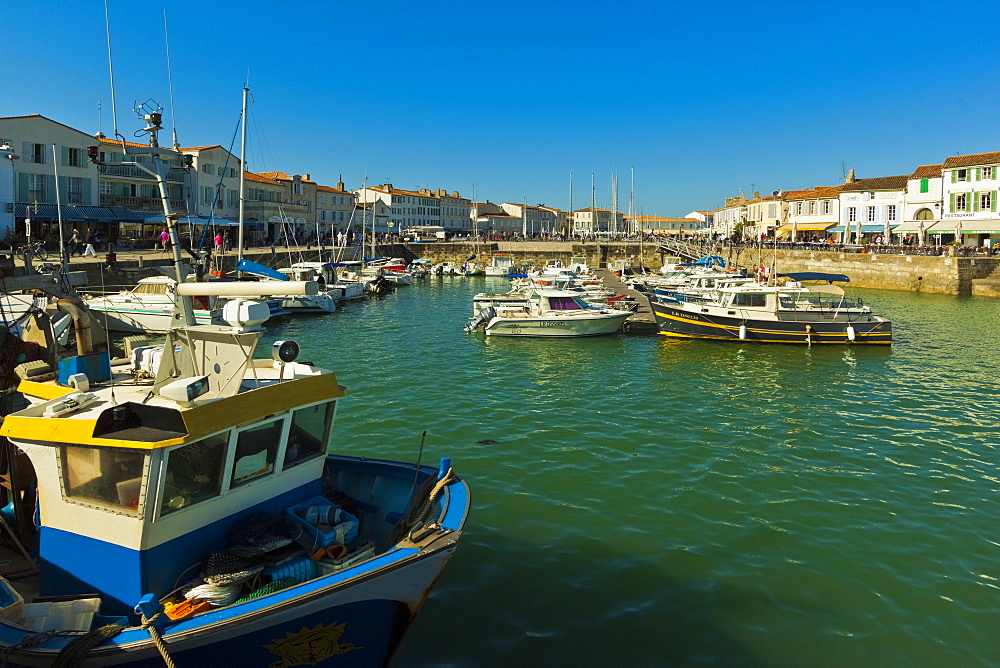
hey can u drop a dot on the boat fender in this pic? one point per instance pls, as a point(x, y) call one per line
point(809, 338)
point(851, 334)
point(743, 332)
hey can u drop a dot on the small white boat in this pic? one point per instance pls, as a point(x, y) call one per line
point(502, 265)
point(149, 307)
point(549, 313)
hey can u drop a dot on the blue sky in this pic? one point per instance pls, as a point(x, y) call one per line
point(504, 100)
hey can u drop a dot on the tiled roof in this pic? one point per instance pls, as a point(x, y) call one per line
point(969, 160)
point(819, 192)
point(259, 178)
point(200, 148)
point(118, 142)
point(926, 172)
point(281, 176)
point(878, 183)
point(328, 189)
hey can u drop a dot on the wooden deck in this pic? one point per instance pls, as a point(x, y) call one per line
point(640, 323)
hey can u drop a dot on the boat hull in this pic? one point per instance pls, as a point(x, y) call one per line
point(347, 623)
point(135, 321)
point(679, 322)
point(556, 326)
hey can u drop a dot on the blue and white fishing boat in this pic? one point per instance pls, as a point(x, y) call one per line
point(188, 509)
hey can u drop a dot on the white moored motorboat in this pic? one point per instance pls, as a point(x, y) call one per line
point(549, 313)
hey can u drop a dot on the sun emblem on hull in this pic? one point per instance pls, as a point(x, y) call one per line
point(310, 646)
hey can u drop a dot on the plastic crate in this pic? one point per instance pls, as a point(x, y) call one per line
point(356, 556)
point(319, 533)
point(60, 615)
point(301, 569)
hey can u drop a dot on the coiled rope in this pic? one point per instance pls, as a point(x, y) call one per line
point(417, 515)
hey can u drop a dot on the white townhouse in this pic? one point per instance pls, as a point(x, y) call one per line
point(456, 210)
point(922, 204)
point(706, 218)
point(731, 217)
point(215, 182)
point(765, 214)
point(334, 208)
point(871, 206)
point(595, 219)
point(408, 208)
point(534, 219)
point(810, 213)
point(970, 191)
point(31, 165)
point(676, 227)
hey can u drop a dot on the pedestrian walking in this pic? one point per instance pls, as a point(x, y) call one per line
point(89, 240)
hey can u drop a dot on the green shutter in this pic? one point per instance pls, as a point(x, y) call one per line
point(63, 190)
point(952, 208)
point(993, 201)
point(22, 187)
point(924, 185)
point(50, 188)
point(85, 196)
point(975, 201)
point(976, 175)
point(65, 156)
point(954, 176)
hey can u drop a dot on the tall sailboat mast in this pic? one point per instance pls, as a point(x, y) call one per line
point(243, 171)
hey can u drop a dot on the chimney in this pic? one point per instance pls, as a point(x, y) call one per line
point(340, 185)
point(756, 194)
point(850, 176)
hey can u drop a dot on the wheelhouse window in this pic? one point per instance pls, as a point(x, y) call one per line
point(194, 473)
point(309, 433)
point(564, 304)
point(749, 299)
point(256, 450)
point(103, 476)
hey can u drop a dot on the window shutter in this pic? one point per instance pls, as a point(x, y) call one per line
point(975, 201)
point(923, 185)
point(993, 201)
point(63, 190)
point(26, 152)
point(952, 206)
point(65, 156)
point(85, 195)
point(954, 176)
point(977, 172)
point(22, 187)
point(50, 188)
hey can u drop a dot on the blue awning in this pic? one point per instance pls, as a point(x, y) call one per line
point(72, 213)
point(865, 229)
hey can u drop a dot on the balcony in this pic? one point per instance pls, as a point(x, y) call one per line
point(133, 172)
point(142, 204)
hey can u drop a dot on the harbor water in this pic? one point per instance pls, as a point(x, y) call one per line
point(642, 501)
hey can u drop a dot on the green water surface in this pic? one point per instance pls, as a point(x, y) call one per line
point(655, 502)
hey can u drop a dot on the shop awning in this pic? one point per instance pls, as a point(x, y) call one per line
point(914, 225)
point(805, 227)
point(157, 219)
point(976, 227)
point(865, 229)
point(72, 213)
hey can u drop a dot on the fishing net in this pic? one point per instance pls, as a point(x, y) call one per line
point(269, 588)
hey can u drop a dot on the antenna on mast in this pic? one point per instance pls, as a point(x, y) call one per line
point(111, 72)
point(170, 86)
